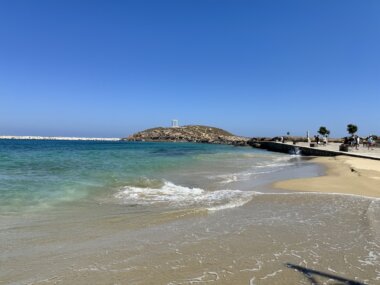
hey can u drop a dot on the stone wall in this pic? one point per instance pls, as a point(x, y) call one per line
point(294, 149)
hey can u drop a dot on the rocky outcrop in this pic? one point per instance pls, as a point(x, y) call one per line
point(199, 134)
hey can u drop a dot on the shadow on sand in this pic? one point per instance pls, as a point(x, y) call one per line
point(311, 274)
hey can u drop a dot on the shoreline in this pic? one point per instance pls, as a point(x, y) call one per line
point(343, 175)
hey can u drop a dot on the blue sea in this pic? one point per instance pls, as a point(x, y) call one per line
point(87, 212)
point(37, 174)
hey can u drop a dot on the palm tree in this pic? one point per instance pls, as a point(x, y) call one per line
point(352, 129)
point(323, 131)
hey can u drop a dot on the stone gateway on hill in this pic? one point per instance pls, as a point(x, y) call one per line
point(198, 134)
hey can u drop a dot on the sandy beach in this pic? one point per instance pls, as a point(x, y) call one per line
point(344, 175)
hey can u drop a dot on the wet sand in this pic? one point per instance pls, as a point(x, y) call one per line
point(244, 245)
point(344, 175)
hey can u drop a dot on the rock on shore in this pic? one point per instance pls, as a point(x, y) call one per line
point(199, 134)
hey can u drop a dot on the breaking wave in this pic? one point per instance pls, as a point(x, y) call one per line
point(166, 192)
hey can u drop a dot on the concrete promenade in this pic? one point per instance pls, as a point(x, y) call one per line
point(331, 149)
point(361, 151)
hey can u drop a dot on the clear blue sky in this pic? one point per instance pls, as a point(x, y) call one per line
point(256, 68)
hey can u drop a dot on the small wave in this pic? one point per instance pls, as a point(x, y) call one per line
point(260, 168)
point(229, 179)
point(278, 165)
point(239, 176)
point(179, 196)
point(233, 204)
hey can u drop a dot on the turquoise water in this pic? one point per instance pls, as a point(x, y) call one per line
point(37, 174)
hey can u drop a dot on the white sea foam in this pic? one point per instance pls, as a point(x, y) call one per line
point(239, 176)
point(234, 203)
point(177, 195)
point(260, 168)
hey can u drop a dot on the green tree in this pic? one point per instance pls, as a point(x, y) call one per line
point(352, 129)
point(323, 131)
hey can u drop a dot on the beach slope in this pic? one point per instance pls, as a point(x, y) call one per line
point(344, 175)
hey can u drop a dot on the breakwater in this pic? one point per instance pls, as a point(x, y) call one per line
point(304, 150)
point(56, 138)
point(294, 149)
